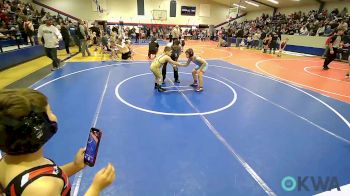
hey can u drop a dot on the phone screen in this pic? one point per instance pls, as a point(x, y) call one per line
point(92, 146)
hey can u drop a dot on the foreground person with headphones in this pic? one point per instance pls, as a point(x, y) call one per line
point(26, 124)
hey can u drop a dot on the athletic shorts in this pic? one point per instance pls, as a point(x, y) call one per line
point(204, 68)
point(126, 56)
point(157, 73)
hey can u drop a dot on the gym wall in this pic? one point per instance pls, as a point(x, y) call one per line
point(126, 10)
point(255, 14)
point(329, 5)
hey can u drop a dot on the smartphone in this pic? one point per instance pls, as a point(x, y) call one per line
point(92, 145)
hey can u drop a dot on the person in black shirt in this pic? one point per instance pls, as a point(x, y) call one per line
point(273, 44)
point(175, 53)
point(97, 30)
point(261, 39)
point(65, 36)
point(73, 30)
point(96, 35)
point(148, 33)
point(115, 29)
point(239, 36)
point(290, 31)
point(153, 47)
point(335, 12)
point(334, 46)
point(279, 33)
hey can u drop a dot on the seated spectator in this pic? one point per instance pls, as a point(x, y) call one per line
point(26, 124)
point(7, 6)
point(328, 31)
point(222, 43)
point(313, 23)
point(343, 24)
point(321, 30)
point(344, 12)
point(335, 12)
point(250, 41)
point(304, 30)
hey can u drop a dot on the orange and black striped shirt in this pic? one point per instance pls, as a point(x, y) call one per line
point(21, 181)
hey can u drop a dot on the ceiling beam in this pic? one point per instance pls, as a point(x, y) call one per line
point(256, 1)
point(244, 14)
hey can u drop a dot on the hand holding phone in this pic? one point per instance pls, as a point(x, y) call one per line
point(79, 158)
point(92, 147)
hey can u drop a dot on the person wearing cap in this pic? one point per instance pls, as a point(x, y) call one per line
point(51, 36)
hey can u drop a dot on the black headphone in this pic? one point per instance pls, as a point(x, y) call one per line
point(27, 135)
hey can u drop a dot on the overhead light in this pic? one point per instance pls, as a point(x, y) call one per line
point(241, 6)
point(273, 1)
point(251, 3)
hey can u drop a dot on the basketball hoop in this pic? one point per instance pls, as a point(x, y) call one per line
point(159, 15)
